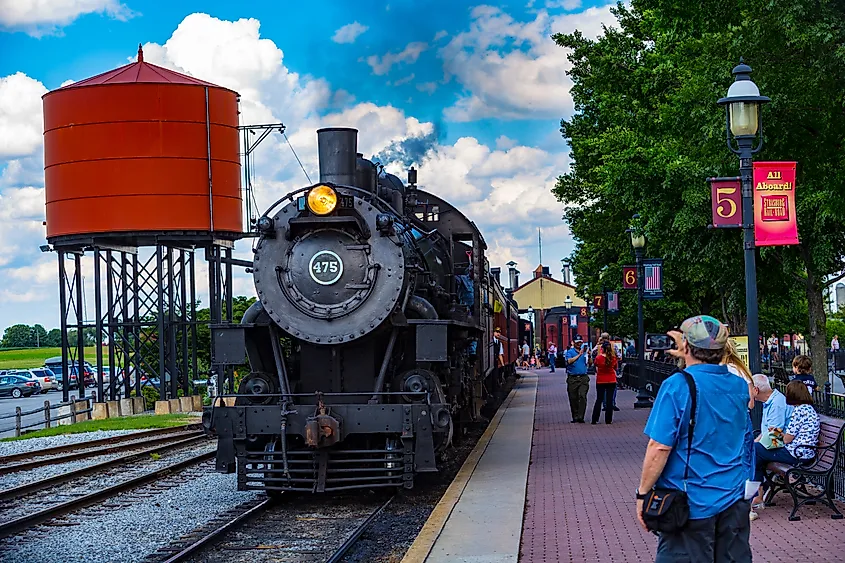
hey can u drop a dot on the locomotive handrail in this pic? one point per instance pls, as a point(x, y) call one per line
point(290, 196)
point(268, 395)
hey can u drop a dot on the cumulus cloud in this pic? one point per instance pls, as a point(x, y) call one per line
point(505, 189)
point(511, 69)
point(440, 35)
point(21, 125)
point(349, 33)
point(408, 55)
point(565, 4)
point(38, 17)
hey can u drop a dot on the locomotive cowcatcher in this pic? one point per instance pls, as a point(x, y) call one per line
point(371, 343)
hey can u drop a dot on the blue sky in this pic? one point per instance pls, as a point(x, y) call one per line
point(479, 87)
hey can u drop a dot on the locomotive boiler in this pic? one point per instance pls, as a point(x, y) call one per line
point(371, 344)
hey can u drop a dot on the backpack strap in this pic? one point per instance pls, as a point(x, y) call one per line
point(693, 396)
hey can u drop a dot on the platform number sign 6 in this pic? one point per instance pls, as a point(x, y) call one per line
point(325, 267)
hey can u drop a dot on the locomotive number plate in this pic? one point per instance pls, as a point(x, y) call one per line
point(325, 267)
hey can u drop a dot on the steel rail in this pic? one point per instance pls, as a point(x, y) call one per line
point(27, 488)
point(95, 452)
point(356, 535)
point(194, 548)
point(24, 522)
point(100, 442)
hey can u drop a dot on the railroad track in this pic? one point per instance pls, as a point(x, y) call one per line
point(21, 499)
point(6, 459)
point(44, 457)
point(262, 534)
point(61, 478)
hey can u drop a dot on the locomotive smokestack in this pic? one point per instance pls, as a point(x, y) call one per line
point(338, 147)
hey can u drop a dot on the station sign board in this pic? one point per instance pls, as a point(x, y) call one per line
point(726, 202)
point(775, 223)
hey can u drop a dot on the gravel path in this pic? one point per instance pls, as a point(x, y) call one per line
point(130, 525)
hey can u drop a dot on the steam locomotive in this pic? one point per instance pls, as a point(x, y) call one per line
point(371, 344)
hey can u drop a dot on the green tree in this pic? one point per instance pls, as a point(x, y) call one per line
point(18, 336)
point(647, 132)
point(53, 338)
point(39, 335)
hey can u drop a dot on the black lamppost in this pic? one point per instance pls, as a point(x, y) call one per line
point(572, 329)
point(744, 120)
point(638, 243)
point(531, 334)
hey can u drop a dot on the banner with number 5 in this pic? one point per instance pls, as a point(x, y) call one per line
point(726, 202)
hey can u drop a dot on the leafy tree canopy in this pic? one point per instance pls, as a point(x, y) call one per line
point(647, 133)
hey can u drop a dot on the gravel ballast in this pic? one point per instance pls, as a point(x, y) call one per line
point(33, 444)
point(135, 525)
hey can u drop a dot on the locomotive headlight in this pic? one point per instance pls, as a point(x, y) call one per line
point(322, 200)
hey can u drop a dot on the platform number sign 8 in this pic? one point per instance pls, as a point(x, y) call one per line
point(325, 267)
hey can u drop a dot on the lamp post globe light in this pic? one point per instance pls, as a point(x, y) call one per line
point(744, 121)
point(638, 244)
point(572, 329)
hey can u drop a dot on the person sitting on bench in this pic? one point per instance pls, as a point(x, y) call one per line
point(802, 431)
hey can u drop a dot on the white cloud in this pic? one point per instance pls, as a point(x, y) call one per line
point(512, 69)
point(440, 35)
point(565, 4)
point(505, 189)
point(38, 17)
point(428, 87)
point(405, 80)
point(21, 126)
point(349, 33)
point(409, 55)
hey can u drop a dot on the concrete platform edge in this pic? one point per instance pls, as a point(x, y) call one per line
point(433, 527)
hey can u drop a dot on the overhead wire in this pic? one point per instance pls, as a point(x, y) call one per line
point(297, 158)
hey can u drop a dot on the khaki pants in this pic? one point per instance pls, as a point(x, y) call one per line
point(578, 385)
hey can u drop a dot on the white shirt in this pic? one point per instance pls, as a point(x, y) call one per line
point(834, 344)
point(526, 350)
point(552, 349)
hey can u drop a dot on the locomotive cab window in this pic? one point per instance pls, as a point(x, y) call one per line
point(430, 215)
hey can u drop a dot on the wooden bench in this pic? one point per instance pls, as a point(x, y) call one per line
point(818, 474)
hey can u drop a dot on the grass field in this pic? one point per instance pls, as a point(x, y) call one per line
point(34, 357)
point(139, 422)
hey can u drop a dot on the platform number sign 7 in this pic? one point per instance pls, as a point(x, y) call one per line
point(598, 302)
point(325, 267)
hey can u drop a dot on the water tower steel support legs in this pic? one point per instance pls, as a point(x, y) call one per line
point(143, 314)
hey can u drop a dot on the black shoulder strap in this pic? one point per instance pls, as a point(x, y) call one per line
point(693, 396)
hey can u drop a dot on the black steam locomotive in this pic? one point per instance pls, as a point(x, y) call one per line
point(371, 343)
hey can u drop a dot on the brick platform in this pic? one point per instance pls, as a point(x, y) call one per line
point(579, 504)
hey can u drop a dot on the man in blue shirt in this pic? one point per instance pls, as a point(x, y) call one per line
point(577, 380)
point(720, 459)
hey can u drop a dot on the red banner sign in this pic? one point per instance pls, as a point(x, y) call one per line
point(629, 277)
point(774, 204)
point(726, 202)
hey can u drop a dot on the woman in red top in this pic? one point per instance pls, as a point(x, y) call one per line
point(606, 363)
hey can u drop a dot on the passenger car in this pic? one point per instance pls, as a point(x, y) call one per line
point(45, 377)
point(18, 386)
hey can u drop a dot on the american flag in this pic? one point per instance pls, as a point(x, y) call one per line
point(653, 278)
point(613, 301)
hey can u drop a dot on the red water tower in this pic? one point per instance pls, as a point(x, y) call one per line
point(141, 149)
point(142, 169)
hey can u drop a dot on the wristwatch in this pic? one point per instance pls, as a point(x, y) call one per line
point(641, 496)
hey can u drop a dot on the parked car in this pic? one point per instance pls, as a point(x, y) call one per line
point(45, 377)
point(55, 365)
point(18, 386)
